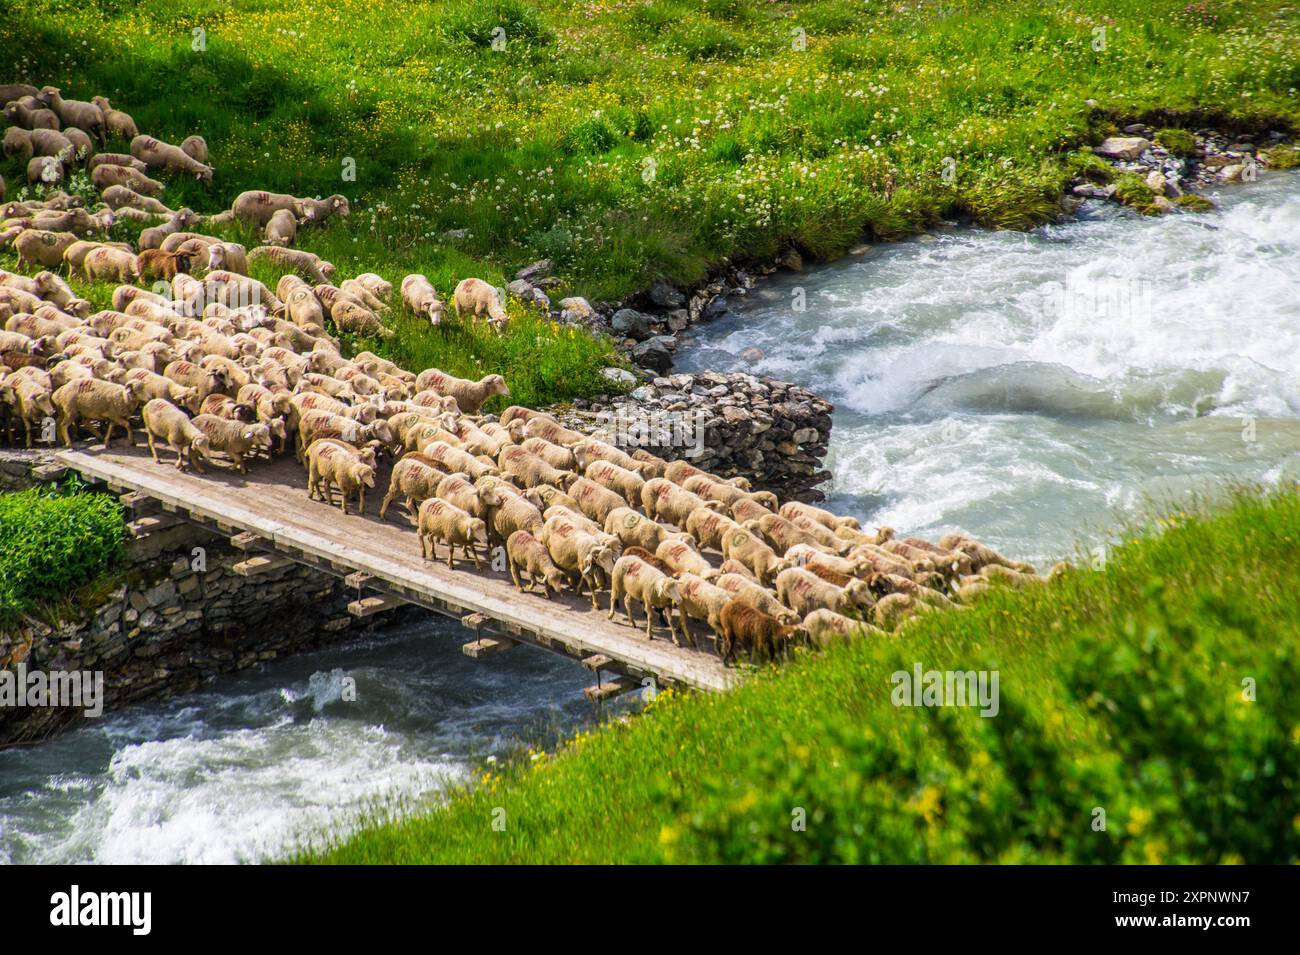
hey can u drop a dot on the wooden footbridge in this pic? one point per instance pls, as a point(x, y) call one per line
point(267, 513)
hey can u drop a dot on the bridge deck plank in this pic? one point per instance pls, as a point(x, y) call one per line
point(271, 501)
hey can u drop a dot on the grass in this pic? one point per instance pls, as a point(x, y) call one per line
point(630, 140)
point(1159, 697)
point(54, 540)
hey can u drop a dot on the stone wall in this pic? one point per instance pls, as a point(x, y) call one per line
point(770, 431)
point(174, 622)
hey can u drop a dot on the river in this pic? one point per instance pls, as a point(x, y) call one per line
point(1039, 390)
point(1032, 389)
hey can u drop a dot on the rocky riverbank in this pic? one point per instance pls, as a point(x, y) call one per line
point(772, 432)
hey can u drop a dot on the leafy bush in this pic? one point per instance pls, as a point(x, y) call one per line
point(477, 21)
point(51, 542)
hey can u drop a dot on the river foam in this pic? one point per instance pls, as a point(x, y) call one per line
point(1034, 389)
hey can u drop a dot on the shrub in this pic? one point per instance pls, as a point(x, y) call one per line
point(1179, 142)
point(477, 20)
point(51, 542)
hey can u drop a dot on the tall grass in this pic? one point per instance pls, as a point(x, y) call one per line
point(1149, 712)
point(634, 141)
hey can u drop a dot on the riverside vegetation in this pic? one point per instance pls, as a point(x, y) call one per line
point(1149, 713)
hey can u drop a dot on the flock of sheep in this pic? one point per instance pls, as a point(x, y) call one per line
point(223, 365)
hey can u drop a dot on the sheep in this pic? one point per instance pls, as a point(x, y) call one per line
point(680, 554)
point(679, 471)
point(101, 177)
point(597, 502)
point(665, 501)
point(117, 124)
point(728, 494)
point(701, 600)
point(810, 557)
point(41, 247)
point(478, 298)
point(349, 316)
point(527, 555)
point(82, 146)
point(530, 470)
point(649, 464)
point(519, 413)
point(156, 264)
point(27, 117)
point(44, 171)
point(281, 229)
point(115, 159)
point(74, 112)
point(546, 496)
point(17, 143)
point(747, 628)
point(204, 381)
point(804, 592)
point(223, 406)
point(413, 479)
point(362, 294)
point(314, 424)
point(457, 460)
point(952, 563)
point(874, 559)
point(164, 420)
point(94, 400)
point(892, 610)
point(881, 535)
point(581, 555)
point(783, 534)
point(633, 578)
point(419, 295)
point(708, 527)
point(626, 483)
point(53, 289)
point(458, 490)
point(15, 91)
point(818, 533)
point(441, 521)
point(300, 303)
point(235, 439)
point(159, 155)
point(540, 426)
point(122, 197)
point(146, 385)
point(755, 595)
point(470, 395)
point(635, 529)
point(752, 551)
point(32, 402)
point(513, 513)
point(981, 555)
point(329, 464)
point(316, 211)
point(196, 147)
point(309, 266)
point(237, 291)
point(791, 509)
point(826, 627)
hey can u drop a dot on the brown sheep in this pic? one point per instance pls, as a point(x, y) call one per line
point(746, 628)
point(156, 264)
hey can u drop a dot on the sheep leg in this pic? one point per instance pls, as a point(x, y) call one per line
point(514, 575)
point(383, 506)
point(451, 555)
point(614, 594)
point(108, 435)
point(668, 615)
point(152, 447)
point(649, 619)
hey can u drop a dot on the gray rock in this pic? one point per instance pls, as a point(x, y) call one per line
point(539, 269)
point(654, 353)
point(1122, 147)
point(665, 296)
point(630, 323)
point(619, 376)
